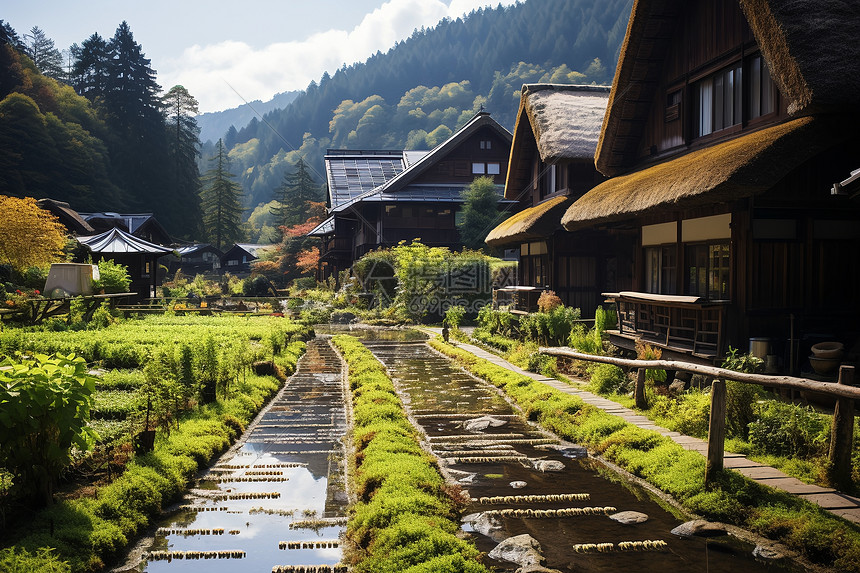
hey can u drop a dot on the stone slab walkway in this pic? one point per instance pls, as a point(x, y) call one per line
point(840, 504)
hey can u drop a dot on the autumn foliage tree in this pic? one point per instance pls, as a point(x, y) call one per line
point(29, 235)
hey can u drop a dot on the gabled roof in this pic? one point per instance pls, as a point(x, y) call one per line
point(810, 47)
point(351, 173)
point(324, 228)
point(481, 120)
point(563, 121)
point(418, 163)
point(70, 218)
point(118, 241)
point(134, 223)
point(252, 249)
point(193, 248)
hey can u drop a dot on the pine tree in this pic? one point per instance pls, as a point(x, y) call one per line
point(293, 195)
point(221, 201)
point(90, 69)
point(182, 141)
point(41, 50)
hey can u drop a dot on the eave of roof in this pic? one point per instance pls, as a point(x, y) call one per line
point(536, 222)
point(118, 241)
point(731, 170)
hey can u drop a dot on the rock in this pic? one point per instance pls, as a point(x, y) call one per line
point(677, 386)
point(548, 465)
point(629, 517)
point(342, 317)
point(522, 549)
point(518, 484)
point(467, 479)
point(485, 524)
point(767, 553)
point(572, 451)
point(482, 423)
point(268, 368)
point(699, 528)
point(536, 569)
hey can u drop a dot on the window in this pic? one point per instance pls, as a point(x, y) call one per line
point(548, 180)
point(661, 269)
point(762, 94)
point(707, 270)
point(486, 144)
point(718, 101)
point(493, 168)
point(477, 169)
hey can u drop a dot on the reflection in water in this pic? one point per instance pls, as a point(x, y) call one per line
point(443, 400)
point(294, 455)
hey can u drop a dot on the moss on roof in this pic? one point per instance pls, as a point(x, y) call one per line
point(539, 221)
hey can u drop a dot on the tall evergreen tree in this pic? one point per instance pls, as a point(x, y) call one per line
point(9, 36)
point(293, 195)
point(90, 69)
point(182, 141)
point(41, 50)
point(221, 201)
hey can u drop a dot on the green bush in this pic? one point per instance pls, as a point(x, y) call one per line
point(113, 277)
point(17, 560)
point(789, 430)
point(607, 378)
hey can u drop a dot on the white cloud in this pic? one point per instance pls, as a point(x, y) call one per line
point(258, 74)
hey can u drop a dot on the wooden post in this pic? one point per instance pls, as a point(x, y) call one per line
point(841, 435)
point(716, 431)
point(639, 398)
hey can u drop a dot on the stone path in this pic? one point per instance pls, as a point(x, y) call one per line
point(835, 502)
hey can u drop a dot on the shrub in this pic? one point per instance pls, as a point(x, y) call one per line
point(607, 378)
point(788, 430)
point(19, 560)
point(113, 277)
point(548, 301)
point(454, 316)
point(589, 342)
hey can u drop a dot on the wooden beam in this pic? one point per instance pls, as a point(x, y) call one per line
point(786, 382)
point(639, 397)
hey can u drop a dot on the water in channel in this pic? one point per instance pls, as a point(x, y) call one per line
point(488, 462)
point(277, 498)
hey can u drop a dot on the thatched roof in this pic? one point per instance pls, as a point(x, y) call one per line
point(810, 47)
point(737, 168)
point(70, 218)
point(538, 222)
point(561, 121)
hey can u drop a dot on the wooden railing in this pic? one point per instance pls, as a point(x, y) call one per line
point(841, 430)
point(682, 323)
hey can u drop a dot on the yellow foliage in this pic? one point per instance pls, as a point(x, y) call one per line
point(29, 235)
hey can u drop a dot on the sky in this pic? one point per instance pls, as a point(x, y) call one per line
point(228, 52)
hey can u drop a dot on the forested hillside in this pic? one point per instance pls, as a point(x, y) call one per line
point(425, 87)
point(100, 135)
point(215, 124)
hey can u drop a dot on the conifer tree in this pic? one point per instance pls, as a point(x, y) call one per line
point(293, 195)
point(182, 141)
point(41, 50)
point(479, 213)
point(90, 69)
point(221, 201)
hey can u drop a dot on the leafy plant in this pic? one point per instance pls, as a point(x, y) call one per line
point(788, 430)
point(44, 410)
point(113, 277)
point(548, 301)
point(454, 316)
point(741, 398)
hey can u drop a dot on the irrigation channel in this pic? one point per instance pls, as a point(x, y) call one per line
point(276, 500)
point(522, 480)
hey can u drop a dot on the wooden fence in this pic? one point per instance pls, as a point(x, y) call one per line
point(841, 429)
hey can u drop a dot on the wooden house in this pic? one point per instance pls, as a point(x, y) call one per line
point(728, 125)
point(238, 258)
point(68, 217)
point(379, 198)
point(139, 256)
point(552, 165)
point(141, 225)
point(194, 258)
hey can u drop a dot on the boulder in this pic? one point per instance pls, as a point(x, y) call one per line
point(485, 524)
point(536, 569)
point(767, 553)
point(482, 423)
point(548, 465)
point(629, 517)
point(699, 528)
point(522, 549)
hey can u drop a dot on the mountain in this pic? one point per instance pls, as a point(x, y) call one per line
point(425, 87)
point(213, 125)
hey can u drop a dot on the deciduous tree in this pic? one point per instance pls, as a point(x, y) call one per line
point(29, 236)
point(480, 212)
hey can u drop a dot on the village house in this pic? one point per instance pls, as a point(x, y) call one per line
point(552, 165)
point(379, 198)
point(729, 148)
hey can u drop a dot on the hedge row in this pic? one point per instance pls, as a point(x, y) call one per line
point(88, 532)
point(403, 519)
point(816, 534)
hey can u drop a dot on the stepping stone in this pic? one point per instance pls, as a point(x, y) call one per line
point(521, 549)
point(629, 517)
